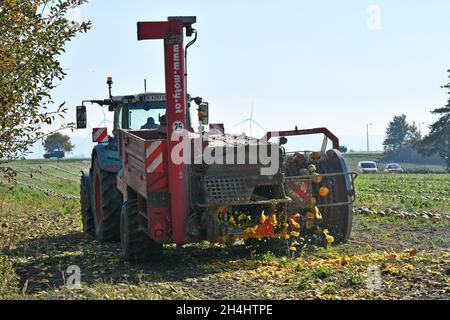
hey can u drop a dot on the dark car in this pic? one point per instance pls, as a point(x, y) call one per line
point(343, 149)
point(393, 168)
point(54, 154)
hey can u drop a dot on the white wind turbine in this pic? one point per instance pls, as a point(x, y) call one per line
point(250, 121)
point(101, 124)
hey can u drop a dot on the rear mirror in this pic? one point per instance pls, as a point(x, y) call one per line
point(283, 141)
point(203, 113)
point(81, 117)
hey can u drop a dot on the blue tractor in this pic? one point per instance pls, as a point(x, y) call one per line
point(101, 201)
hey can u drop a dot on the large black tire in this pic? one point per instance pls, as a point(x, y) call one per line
point(87, 216)
point(338, 220)
point(106, 204)
point(136, 245)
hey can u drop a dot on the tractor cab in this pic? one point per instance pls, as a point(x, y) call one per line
point(145, 111)
point(148, 112)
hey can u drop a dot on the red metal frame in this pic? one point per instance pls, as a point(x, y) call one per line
point(302, 132)
point(172, 34)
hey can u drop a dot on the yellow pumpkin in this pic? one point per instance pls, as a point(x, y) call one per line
point(295, 234)
point(263, 218)
point(318, 214)
point(330, 239)
point(294, 224)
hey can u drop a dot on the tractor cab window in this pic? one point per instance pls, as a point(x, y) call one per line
point(144, 119)
point(140, 115)
point(147, 115)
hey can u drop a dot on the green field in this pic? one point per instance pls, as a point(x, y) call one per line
point(411, 192)
point(40, 237)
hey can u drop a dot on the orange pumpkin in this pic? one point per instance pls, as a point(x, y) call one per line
point(324, 192)
point(310, 215)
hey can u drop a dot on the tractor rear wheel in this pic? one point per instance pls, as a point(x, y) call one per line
point(136, 245)
point(338, 220)
point(87, 216)
point(106, 204)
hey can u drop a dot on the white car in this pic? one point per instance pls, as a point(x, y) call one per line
point(368, 167)
point(393, 168)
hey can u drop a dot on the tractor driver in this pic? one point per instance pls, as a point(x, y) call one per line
point(162, 130)
point(150, 124)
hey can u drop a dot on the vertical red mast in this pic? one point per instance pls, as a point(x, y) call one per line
point(172, 33)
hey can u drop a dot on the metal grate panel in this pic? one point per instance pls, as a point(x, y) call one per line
point(227, 189)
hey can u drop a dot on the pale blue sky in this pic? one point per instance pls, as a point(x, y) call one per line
point(305, 63)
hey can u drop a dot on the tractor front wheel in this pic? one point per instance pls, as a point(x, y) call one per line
point(87, 216)
point(136, 245)
point(106, 204)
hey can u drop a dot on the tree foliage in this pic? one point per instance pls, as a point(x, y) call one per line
point(438, 140)
point(58, 142)
point(33, 34)
point(399, 134)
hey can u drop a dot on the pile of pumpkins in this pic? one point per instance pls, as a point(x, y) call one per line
point(302, 226)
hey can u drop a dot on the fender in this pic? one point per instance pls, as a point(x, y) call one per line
point(345, 170)
point(108, 156)
point(86, 176)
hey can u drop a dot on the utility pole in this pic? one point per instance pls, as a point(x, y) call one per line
point(420, 128)
point(367, 129)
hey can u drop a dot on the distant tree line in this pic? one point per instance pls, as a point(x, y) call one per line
point(404, 142)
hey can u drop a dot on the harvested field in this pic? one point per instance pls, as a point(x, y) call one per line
point(40, 237)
